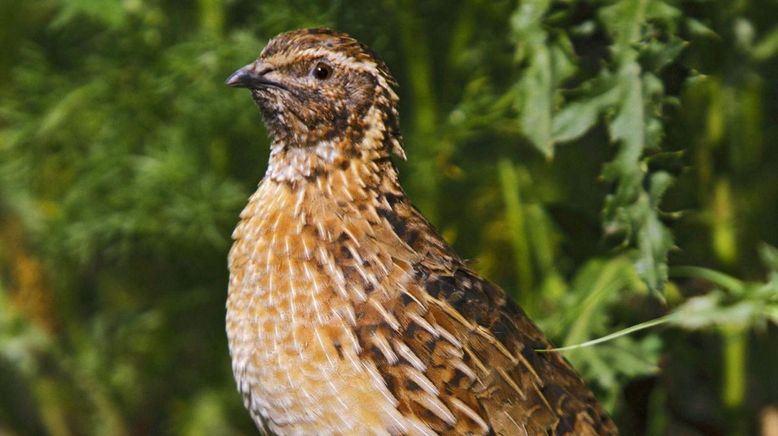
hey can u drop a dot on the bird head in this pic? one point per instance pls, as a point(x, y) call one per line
point(317, 86)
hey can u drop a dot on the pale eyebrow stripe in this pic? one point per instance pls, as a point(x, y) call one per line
point(289, 56)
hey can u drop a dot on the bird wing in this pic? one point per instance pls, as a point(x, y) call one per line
point(462, 358)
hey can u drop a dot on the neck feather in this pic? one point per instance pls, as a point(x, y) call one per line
point(369, 152)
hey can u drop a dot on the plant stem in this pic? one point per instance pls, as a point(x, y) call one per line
point(735, 349)
point(517, 226)
point(725, 281)
point(735, 357)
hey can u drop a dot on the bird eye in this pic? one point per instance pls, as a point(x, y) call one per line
point(322, 71)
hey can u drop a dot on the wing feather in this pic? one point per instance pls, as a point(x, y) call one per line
point(471, 350)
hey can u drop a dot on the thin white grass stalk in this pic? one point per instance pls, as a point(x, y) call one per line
point(614, 335)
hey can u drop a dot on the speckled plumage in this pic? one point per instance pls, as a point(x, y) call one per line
point(347, 313)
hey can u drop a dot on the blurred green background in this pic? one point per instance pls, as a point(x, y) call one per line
point(609, 163)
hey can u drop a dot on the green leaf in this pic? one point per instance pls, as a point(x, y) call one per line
point(733, 305)
point(710, 310)
point(632, 212)
point(623, 20)
point(654, 242)
point(658, 54)
point(578, 117)
point(536, 99)
point(769, 256)
point(767, 47)
point(628, 125)
point(662, 11)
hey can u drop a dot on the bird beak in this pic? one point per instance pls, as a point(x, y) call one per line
point(252, 76)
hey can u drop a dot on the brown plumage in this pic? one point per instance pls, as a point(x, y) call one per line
point(347, 312)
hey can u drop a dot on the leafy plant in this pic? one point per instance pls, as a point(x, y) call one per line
point(613, 165)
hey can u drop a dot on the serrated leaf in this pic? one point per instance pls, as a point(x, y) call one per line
point(654, 243)
point(628, 125)
point(660, 10)
point(536, 95)
point(659, 54)
point(623, 20)
point(733, 304)
point(577, 118)
point(710, 310)
point(660, 182)
point(698, 28)
point(562, 63)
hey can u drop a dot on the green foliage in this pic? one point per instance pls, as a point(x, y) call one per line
point(733, 304)
point(629, 96)
point(596, 290)
point(565, 131)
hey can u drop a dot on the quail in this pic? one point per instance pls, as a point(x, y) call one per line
point(347, 312)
